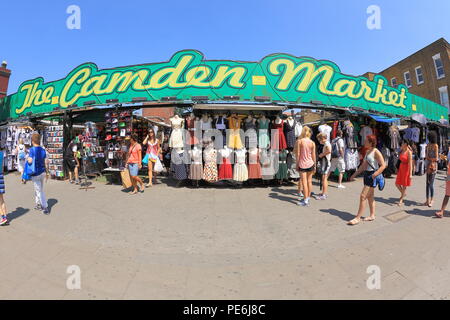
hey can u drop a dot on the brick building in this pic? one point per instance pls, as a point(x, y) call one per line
point(4, 79)
point(426, 72)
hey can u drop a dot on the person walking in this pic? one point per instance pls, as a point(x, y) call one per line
point(372, 165)
point(306, 158)
point(21, 152)
point(324, 163)
point(440, 213)
point(431, 157)
point(38, 155)
point(3, 212)
point(134, 163)
point(337, 157)
point(404, 174)
point(153, 152)
point(72, 161)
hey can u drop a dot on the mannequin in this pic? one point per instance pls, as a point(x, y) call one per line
point(220, 124)
point(225, 169)
point(210, 169)
point(206, 122)
point(176, 137)
point(282, 173)
point(196, 167)
point(278, 124)
point(240, 171)
point(190, 126)
point(289, 132)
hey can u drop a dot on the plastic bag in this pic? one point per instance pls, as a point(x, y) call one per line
point(158, 167)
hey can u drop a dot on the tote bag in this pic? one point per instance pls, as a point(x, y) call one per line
point(30, 168)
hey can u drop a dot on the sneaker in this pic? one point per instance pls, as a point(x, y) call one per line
point(46, 211)
point(321, 197)
point(3, 221)
point(303, 203)
point(341, 186)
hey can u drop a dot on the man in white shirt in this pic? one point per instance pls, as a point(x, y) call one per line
point(337, 157)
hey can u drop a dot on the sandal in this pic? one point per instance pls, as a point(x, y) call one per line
point(133, 192)
point(369, 219)
point(354, 221)
point(439, 214)
point(149, 185)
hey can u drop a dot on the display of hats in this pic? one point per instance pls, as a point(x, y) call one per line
point(122, 124)
point(108, 137)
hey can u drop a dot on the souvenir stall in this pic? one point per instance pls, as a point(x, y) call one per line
point(10, 136)
point(246, 154)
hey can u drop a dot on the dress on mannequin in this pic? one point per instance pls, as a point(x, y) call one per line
point(225, 169)
point(220, 124)
point(254, 167)
point(190, 126)
point(234, 139)
point(240, 171)
point(196, 168)
point(263, 133)
point(210, 169)
point(251, 138)
point(289, 131)
point(282, 173)
point(178, 165)
point(176, 137)
point(281, 139)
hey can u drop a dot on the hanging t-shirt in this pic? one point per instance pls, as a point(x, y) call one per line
point(324, 128)
point(415, 134)
point(365, 131)
point(423, 148)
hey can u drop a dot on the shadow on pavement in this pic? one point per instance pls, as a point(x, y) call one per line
point(392, 202)
point(17, 213)
point(346, 216)
point(277, 196)
point(424, 213)
point(51, 203)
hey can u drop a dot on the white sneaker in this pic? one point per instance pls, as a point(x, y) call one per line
point(341, 186)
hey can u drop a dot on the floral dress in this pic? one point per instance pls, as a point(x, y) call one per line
point(210, 170)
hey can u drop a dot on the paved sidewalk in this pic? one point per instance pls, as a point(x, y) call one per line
point(221, 243)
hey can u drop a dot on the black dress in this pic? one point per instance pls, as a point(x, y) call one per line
point(289, 133)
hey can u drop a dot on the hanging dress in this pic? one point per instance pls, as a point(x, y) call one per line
point(254, 167)
point(178, 166)
point(281, 138)
point(176, 137)
point(292, 166)
point(289, 133)
point(190, 126)
point(240, 171)
point(225, 168)
point(234, 137)
point(220, 124)
point(196, 167)
point(210, 169)
point(251, 138)
point(282, 173)
point(267, 164)
point(263, 133)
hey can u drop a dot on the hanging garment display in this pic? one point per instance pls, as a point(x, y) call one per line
point(176, 137)
point(225, 168)
point(210, 170)
point(289, 132)
point(292, 166)
point(263, 133)
point(281, 138)
point(365, 131)
point(326, 129)
point(254, 167)
point(220, 124)
point(267, 164)
point(234, 137)
point(196, 167)
point(394, 136)
point(282, 173)
point(351, 159)
point(178, 165)
point(240, 171)
point(191, 127)
point(251, 138)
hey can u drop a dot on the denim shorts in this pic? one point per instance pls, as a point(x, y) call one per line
point(134, 169)
point(368, 180)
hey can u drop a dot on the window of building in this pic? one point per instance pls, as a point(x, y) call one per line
point(394, 82)
point(438, 66)
point(443, 94)
point(407, 77)
point(419, 75)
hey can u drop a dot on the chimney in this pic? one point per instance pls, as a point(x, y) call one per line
point(4, 79)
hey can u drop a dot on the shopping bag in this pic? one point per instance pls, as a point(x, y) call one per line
point(25, 176)
point(126, 179)
point(145, 160)
point(158, 167)
point(30, 168)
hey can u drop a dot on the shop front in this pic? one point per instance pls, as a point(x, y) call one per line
point(228, 123)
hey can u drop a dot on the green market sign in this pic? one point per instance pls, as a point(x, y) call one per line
point(281, 77)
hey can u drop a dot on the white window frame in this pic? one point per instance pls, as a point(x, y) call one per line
point(444, 90)
point(392, 82)
point(436, 57)
point(417, 75)
point(410, 80)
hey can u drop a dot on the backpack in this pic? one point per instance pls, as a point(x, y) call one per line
point(335, 152)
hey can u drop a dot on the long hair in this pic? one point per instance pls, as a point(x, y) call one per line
point(306, 132)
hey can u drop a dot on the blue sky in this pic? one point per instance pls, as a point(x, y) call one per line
point(36, 42)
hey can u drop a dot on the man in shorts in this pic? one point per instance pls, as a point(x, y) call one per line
point(337, 157)
point(71, 161)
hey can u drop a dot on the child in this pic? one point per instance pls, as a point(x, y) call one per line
point(440, 214)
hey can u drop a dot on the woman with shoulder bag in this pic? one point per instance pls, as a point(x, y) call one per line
point(432, 153)
point(373, 166)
